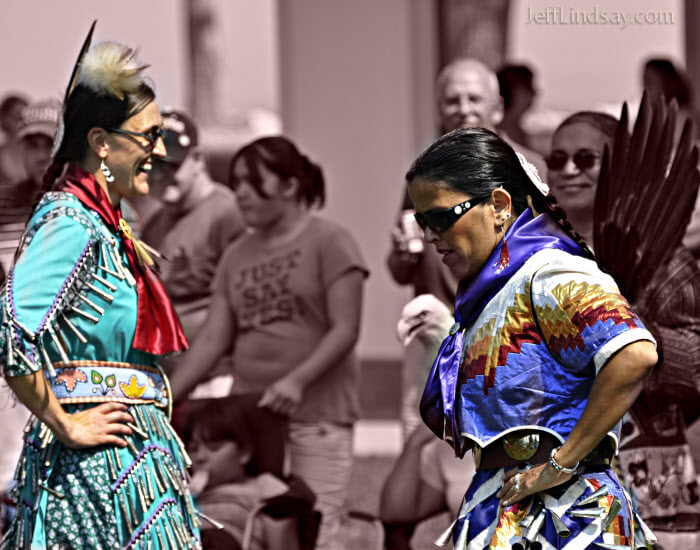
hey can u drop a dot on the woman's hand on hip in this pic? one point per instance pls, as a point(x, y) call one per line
point(283, 397)
point(528, 482)
point(100, 425)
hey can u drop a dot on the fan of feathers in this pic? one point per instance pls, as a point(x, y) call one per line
point(646, 193)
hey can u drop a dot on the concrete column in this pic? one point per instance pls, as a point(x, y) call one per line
point(356, 95)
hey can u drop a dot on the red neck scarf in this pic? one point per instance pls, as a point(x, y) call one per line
point(158, 328)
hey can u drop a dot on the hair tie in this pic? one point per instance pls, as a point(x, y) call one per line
point(531, 172)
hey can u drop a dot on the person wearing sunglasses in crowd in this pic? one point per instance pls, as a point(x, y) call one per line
point(543, 360)
point(84, 323)
point(654, 432)
point(286, 304)
point(198, 219)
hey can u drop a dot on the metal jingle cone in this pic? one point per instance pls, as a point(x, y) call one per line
point(461, 542)
point(59, 344)
point(89, 316)
point(210, 520)
point(536, 526)
point(562, 530)
point(23, 357)
point(588, 513)
point(596, 495)
point(117, 271)
point(92, 304)
point(79, 335)
point(529, 518)
point(103, 281)
point(101, 293)
point(615, 508)
point(446, 536)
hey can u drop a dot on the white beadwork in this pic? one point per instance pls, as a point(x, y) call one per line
point(532, 173)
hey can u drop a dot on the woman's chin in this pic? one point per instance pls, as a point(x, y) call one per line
point(460, 272)
point(141, 188)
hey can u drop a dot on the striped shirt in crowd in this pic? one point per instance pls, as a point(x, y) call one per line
point(15, 207)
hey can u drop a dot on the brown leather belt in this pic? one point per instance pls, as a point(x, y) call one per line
point(494, 455)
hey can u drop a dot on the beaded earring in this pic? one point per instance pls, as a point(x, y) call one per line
point(504, 260)
point(106, 171)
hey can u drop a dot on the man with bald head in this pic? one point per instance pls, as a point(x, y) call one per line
point(469, 97)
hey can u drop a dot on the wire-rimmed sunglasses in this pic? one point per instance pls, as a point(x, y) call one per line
point(584, 159)
point(152, 137)
point(441, 220)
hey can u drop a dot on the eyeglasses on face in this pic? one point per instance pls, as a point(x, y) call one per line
point(441, 220)
point(152, 137)
point(584, 159)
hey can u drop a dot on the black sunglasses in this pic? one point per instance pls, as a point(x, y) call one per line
point(152, 137)
point(441, 220)
point(584, 159)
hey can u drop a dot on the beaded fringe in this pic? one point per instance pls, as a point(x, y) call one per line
point(152, 503)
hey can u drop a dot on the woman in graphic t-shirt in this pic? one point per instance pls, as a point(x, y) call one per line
point(287, 300)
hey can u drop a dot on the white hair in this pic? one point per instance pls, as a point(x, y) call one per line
point(464, 64)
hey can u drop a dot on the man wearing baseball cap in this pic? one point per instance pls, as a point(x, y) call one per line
point(198, 219)
point(35, 132)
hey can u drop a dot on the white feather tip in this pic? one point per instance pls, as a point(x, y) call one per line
point(110, 68)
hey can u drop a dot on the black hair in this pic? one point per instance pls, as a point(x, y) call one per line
point(85, 109)
point(603, 122)
point(238, 418)
point(215, 422)
point(475, 161)
point(281, 157)
point(674, 83)
point(511, 77)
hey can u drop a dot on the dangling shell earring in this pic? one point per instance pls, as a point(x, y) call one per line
point(106, 171)
point(504, 260)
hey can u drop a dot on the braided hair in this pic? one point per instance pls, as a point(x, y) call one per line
point(281, 157)
point(475, 161)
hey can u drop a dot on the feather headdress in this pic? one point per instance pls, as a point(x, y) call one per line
point(110, 68)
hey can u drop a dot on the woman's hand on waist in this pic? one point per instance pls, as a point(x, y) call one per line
point(528, 482)
point(100, 425)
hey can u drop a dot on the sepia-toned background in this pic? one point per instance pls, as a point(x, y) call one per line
point(350, 80)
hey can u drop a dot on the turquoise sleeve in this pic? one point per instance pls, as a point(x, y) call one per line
point(36, 287)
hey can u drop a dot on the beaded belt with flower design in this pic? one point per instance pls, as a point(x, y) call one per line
point(100, 381)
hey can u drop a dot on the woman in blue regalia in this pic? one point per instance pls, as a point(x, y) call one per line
point(84, 322)
point(544, 358)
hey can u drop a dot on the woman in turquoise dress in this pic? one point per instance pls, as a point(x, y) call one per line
point(84, 322)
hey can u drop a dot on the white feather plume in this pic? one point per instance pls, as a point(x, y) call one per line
point(110, 68)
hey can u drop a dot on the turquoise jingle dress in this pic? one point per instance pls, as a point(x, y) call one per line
point(69, 309)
